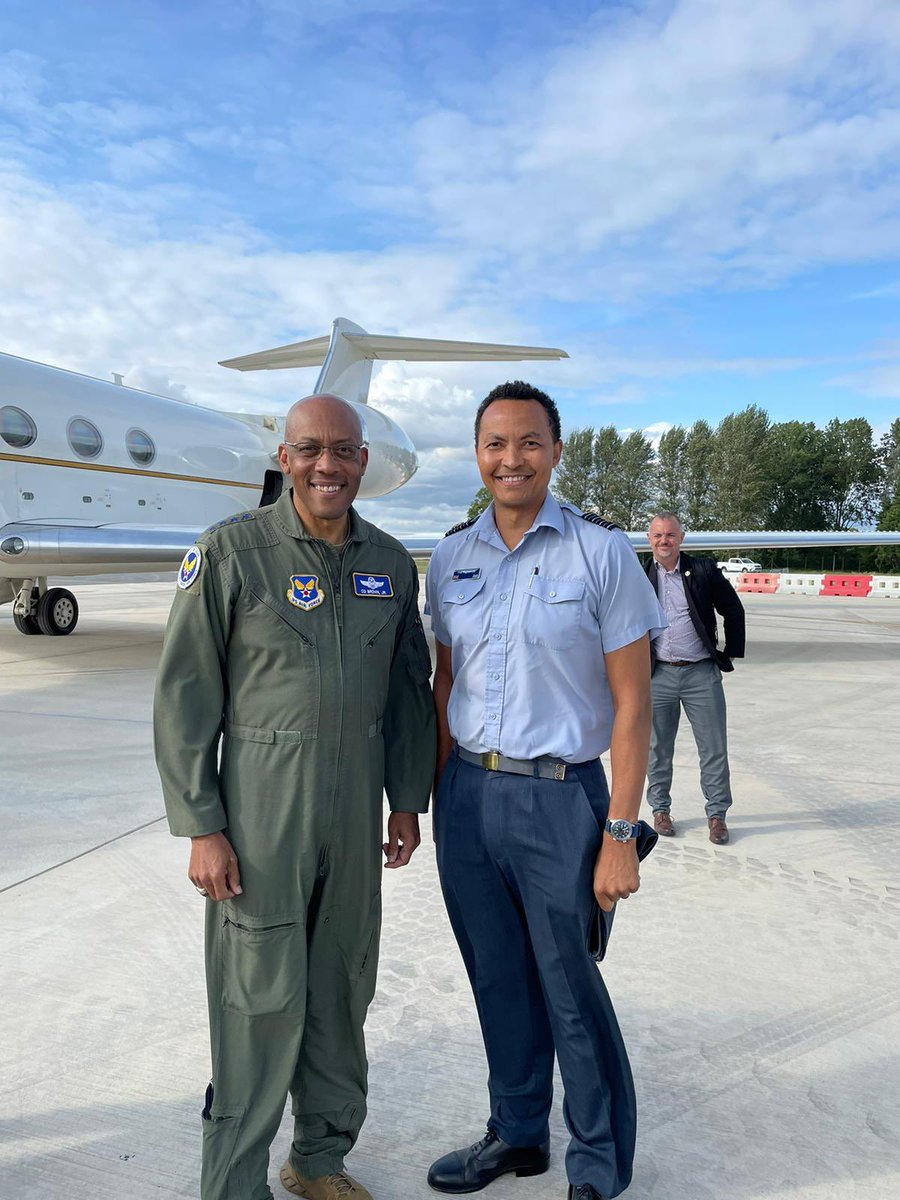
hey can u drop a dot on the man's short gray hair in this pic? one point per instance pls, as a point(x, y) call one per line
point(665, 515)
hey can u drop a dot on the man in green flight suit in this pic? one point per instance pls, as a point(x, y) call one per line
point(295, 637)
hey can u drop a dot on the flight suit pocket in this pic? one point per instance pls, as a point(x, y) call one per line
point(263, 964)
point(552, 612)
point(415, 649)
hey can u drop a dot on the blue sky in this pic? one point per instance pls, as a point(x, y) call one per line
point(698, 199)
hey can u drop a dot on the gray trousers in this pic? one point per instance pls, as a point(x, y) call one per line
point(699, 689)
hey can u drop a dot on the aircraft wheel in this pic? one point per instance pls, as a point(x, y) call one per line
point(27, 625)
point(57, 612)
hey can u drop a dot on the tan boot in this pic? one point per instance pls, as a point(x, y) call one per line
point(339, 1186)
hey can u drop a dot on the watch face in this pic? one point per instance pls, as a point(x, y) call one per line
point(620, 830)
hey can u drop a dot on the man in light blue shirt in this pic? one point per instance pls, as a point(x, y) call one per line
point(542, 619)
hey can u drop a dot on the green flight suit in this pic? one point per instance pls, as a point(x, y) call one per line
point(319, 690)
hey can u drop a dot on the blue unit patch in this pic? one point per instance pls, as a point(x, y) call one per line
point(305, 591)
point(466, 573)
point(372, 585)
point(190, 567)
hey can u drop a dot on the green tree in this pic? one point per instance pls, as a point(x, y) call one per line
point(480, 502)
point(575, 475)
point(887, 558)
point(740, 480)
point(633, 489)
point(697, 477)
point(670, 470)
point(852, 474)
point(889, 460)
point(793, 462)
point(607, 448)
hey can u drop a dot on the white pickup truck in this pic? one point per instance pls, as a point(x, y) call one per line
point(740, 565)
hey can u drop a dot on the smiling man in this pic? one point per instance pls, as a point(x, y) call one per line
point(542, 618)
point(295, 634)
point(687, 673)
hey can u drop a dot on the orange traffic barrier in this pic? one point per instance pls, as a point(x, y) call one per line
point(748, 582)
point(846, 585)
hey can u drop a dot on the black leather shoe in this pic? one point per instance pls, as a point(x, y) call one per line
point(583, 1191)
point(475, 1167)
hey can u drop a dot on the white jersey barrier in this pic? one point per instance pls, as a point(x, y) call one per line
point(800, 585)
point(886, 586)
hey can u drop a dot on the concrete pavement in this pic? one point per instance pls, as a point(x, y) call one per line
point(756, 983)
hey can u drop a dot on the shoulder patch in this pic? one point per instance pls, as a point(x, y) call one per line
point(190, 567)
point(595, 520)
point(461, 526)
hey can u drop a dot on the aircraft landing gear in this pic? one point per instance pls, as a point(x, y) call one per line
point(37, 609)
point(57, 612)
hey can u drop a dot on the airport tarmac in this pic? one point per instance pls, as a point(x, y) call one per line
point(757, 983)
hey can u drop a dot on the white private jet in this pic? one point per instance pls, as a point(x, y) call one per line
point(96, 477)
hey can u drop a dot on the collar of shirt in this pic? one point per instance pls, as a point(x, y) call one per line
point(676, 570)
point(549, 516)
point(289, 520)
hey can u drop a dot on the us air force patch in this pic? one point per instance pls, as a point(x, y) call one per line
point(467, 573)
point(372, 585)
point(190, 567)
point(305, 592)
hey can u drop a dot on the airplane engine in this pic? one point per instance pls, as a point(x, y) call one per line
point(392, 456)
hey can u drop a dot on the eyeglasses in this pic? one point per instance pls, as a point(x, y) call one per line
point(341, 452)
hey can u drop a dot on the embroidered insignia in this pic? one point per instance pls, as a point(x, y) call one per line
point(466, 573)
point(305, 592)
point(461, 526)
point(372, 585)
point(595, 520)
point(190, 567)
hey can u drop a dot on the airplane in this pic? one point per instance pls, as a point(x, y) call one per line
point(98, 478)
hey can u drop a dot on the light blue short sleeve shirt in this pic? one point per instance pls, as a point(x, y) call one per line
point(528, 629)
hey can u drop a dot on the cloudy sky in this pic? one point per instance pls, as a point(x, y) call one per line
point(698, 199)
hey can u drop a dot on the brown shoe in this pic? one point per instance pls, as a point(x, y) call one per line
point(663, 823)
point(339, 1186)
point(718, 830)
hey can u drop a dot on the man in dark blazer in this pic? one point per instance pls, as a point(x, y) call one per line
point(687, 672)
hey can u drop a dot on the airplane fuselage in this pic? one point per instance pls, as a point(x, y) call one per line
point(80, 453)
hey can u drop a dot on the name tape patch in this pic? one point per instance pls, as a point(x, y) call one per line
point(190, 567)
point(305, 592)
point(466, 573)
point(372, 585)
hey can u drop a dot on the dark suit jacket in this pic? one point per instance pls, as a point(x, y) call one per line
point(708, 592)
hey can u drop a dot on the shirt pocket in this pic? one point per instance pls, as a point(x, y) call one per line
point(553, 612)
point(462, 610)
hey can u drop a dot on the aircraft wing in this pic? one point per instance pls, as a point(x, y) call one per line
point(33, 550)
point(718, 539)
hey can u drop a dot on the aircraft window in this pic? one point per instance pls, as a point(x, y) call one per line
point(84, 437)
point(16, 427)
point(140, 447)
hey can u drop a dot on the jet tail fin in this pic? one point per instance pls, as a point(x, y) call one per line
point(347, 356)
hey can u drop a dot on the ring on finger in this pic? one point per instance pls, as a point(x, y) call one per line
point(202, 891)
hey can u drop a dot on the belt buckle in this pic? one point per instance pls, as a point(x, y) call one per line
point(559, 770)
point(490, 760)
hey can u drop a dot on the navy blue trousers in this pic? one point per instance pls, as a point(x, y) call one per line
point(516, 859)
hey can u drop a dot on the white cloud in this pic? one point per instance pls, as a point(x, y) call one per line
point(721, 142)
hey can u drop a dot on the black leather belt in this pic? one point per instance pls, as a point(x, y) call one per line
point(539, 768)
point(682, 662)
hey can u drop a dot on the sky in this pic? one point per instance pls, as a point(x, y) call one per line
point(698, 199)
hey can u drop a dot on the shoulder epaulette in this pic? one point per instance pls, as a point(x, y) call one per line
point(462, 525)
point(595, 520)
point(235, 520)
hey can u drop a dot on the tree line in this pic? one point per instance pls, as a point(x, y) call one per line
point(747, 473)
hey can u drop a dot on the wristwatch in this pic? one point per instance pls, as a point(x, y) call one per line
point(622, 831)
